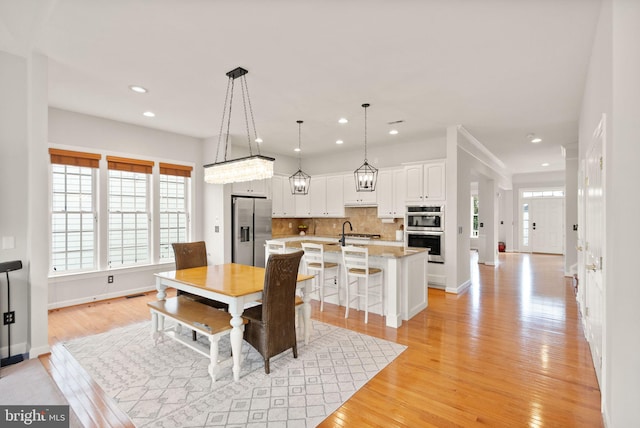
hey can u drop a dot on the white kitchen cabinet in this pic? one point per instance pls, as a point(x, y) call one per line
point(326, 195)
point(250, 188)
point(354, 198)
point(302, 205)
point(283, 202)
point(391, 193)
point(425, 182)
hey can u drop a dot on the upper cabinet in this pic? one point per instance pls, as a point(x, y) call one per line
point(251, 188)
point(425, 182)
point(354, 198)
point(391, 193)
point(283, 202)
point(326, 194)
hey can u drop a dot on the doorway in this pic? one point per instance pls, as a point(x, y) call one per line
point(542, 221)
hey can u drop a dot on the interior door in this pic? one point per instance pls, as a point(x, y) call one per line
point(547, 220)
point(593, 249)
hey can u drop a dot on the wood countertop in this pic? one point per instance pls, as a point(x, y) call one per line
point(386, 251)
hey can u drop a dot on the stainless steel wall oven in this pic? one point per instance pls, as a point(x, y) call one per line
point(433, 240)
point(422, 218)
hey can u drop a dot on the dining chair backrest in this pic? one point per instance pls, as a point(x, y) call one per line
point(190, 254)
point(355, 259)
point(280, 281)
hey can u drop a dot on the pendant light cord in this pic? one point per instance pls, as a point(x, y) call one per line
point(224, 111)
point(299, 145)
point(365, 131)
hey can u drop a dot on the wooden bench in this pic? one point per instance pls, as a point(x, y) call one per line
point(210, 322)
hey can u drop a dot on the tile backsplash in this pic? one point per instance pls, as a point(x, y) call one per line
point(363, 219)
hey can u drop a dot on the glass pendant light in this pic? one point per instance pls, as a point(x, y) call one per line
point(300, 181)
point(367, 175)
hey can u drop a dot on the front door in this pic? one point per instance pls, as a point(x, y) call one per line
point(547, 220)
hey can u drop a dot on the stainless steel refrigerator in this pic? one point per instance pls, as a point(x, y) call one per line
point(251, 225)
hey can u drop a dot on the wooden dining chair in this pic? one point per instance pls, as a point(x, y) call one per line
point(189, 255)
point(271, 327)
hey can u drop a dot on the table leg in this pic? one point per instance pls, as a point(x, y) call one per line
point(236, 337)
point(162, 289)
point(213, 357)
point(154, 327)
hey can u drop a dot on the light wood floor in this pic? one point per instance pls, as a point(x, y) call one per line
point(509, 352)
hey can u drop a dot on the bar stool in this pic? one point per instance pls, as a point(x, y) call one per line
point(356, 267)
point(274, 246)
point(326, 272)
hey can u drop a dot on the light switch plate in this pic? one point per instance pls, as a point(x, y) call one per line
point(8, 242)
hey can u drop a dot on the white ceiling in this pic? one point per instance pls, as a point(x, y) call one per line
point(501, 68)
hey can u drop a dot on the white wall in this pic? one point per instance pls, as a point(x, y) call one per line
point(570, 212)
point(14, 180)
point(23, 218)
point(81, 132)
point(613, 88)
point(344, 160)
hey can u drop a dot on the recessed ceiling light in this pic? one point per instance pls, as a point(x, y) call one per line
point(149, 114)
point(258, 140)
point(545, 164)
point(343, 120)
point(393, 132)
point(339, 142)
point(138, 89)
point(532, 138)
point(297, 149)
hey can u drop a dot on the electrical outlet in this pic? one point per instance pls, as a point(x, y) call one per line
point(217, 229)
point(110, 279)
point(9, 318)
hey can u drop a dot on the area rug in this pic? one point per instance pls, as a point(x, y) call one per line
point(167, 385)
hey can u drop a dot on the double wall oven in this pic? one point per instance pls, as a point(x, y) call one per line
point(424, 228)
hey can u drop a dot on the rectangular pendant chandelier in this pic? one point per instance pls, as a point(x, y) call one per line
point(249, 168)
point(252, 167)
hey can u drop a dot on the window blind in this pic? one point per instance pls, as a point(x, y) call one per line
point(68, 157)
point(173, 169)
point(130, 165)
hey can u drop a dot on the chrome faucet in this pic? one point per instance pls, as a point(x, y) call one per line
point(342, 240)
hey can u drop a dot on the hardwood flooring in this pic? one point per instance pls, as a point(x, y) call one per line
point(509, 352)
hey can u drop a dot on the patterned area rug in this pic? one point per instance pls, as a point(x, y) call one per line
point(168, 385)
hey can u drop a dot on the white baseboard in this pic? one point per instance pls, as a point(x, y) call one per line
point(35, 352)
point(460, 288)
point(106, 296)
point(16, 349)
point(437, 281)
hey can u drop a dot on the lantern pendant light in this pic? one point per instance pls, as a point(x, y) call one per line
point(367, 175)
point(300, 181)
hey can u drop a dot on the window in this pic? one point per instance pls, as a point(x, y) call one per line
point(129, 213)
point(474, 216)
point(174, 182)
point(73, 213)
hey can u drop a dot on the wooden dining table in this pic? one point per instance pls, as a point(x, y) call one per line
point(235, 284)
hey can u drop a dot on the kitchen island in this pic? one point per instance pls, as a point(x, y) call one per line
point(405, 274)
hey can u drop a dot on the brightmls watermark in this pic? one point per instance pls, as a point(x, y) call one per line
point(34, 416)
